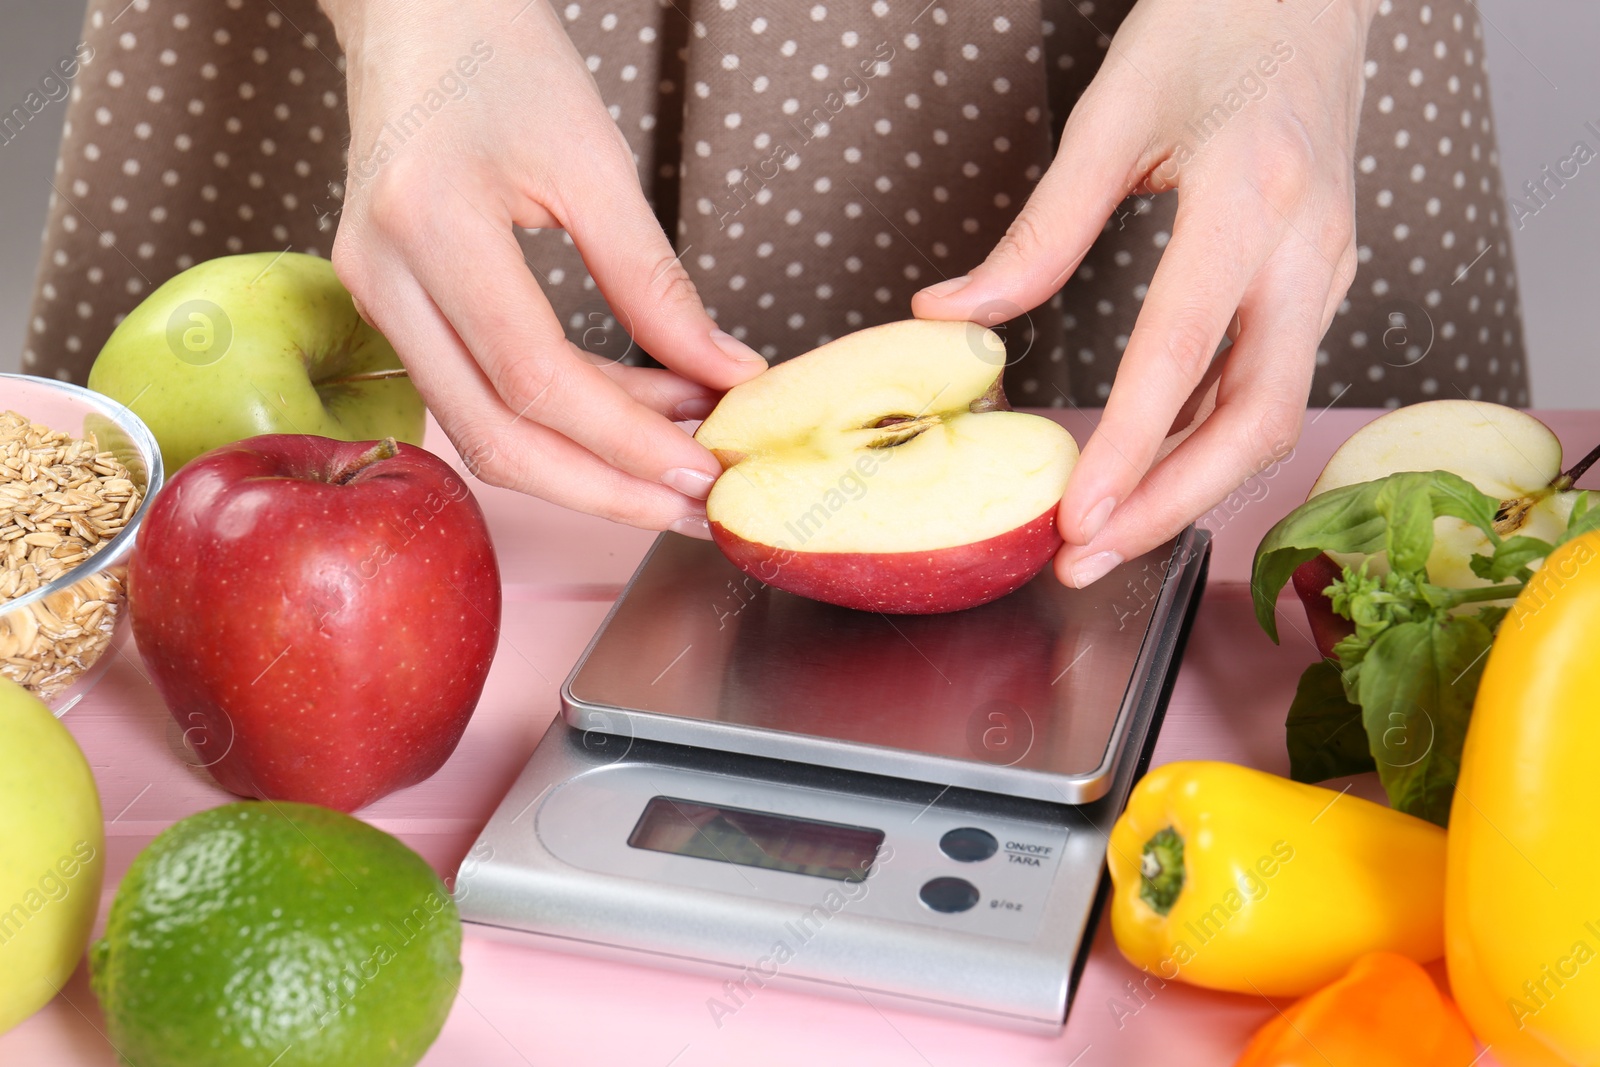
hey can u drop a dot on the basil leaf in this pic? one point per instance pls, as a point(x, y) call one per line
point(1348, 654)
point(1340, 520)
point(1417, 683)
point(1491, 616)
point(1356, 519)
point(1582, 520)
point(1455, 496)
point(1325, 735)
point(1511, 558)
point(1406, 503)
point(1580, 508)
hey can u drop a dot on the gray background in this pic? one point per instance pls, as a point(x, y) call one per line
point(1546, 85)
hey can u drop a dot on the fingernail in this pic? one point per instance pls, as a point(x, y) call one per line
point(1091, 569)
point(1095, 519)
point(735, 348)
point(946, 287)
point(691, 483)
point(692, 526)
point(696, 408)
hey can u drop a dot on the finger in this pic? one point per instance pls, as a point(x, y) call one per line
point(1261, 399)
point(1217, 246)
point(497, 446)
point(642, 278)
point(1344, 272)
point(475, 273)
point(662, 391)
point(1094, 169)
point(1202, 399)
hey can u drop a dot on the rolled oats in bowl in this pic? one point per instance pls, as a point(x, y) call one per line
point(74, 474)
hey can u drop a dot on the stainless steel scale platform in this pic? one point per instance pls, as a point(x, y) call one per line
point(770, 790)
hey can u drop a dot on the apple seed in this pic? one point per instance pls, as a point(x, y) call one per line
point(901, 428)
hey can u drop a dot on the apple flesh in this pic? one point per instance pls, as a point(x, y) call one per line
point(319, 616)
point(885, 472)
point(1504, 452)
point(268, 342)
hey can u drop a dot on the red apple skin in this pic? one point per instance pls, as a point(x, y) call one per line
point(1328, 627)
point(902, 583)
point(316, 641)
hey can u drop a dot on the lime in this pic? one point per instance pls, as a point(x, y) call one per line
point(277, 934)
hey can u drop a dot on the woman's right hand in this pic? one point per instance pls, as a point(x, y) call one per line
point(426, 246)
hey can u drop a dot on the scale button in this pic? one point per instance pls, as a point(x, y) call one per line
point(949, 894)
point(968, 844)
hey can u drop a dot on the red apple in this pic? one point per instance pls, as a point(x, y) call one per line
point(1504, 452)
point(1328, 627)
point(884, 471)
point(318, 615)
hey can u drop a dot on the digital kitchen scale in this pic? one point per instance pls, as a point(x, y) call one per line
point(771, 790)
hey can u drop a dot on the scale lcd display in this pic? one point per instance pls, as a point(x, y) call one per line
point(757, 839)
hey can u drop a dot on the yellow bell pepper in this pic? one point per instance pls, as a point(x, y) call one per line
point(1232, 878)
point(1523, 897)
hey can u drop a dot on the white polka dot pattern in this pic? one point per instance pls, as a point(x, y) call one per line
point(868, 160)
point(816, 165)
point(1421, 319)
point(1434, 310)
point(196, 130)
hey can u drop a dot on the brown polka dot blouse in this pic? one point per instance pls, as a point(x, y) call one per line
point(816, 165)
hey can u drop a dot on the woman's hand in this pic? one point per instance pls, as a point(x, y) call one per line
point(426, 246)
point(1248, 108)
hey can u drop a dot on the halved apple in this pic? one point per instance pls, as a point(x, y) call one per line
point(884, 471)
point(1504, 452)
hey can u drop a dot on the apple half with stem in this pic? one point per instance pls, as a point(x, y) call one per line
point(1504, 452)
point(884, 471)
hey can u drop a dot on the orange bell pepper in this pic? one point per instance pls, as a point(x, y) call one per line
point(1385, 1012)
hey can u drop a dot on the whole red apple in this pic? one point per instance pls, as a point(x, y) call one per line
point(318, 615)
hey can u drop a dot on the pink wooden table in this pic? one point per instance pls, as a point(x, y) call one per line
point(521, 1007)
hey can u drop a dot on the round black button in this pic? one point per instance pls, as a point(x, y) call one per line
point(949, 894)
point(968, 844)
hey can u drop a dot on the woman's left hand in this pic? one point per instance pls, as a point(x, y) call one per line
point(1248, 110)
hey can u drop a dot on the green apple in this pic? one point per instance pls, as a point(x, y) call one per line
point(268, 342)
point(52, 854)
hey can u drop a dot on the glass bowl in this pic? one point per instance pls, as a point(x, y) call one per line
point(56, 640)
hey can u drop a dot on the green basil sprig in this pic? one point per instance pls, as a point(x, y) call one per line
point(1407, 676)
